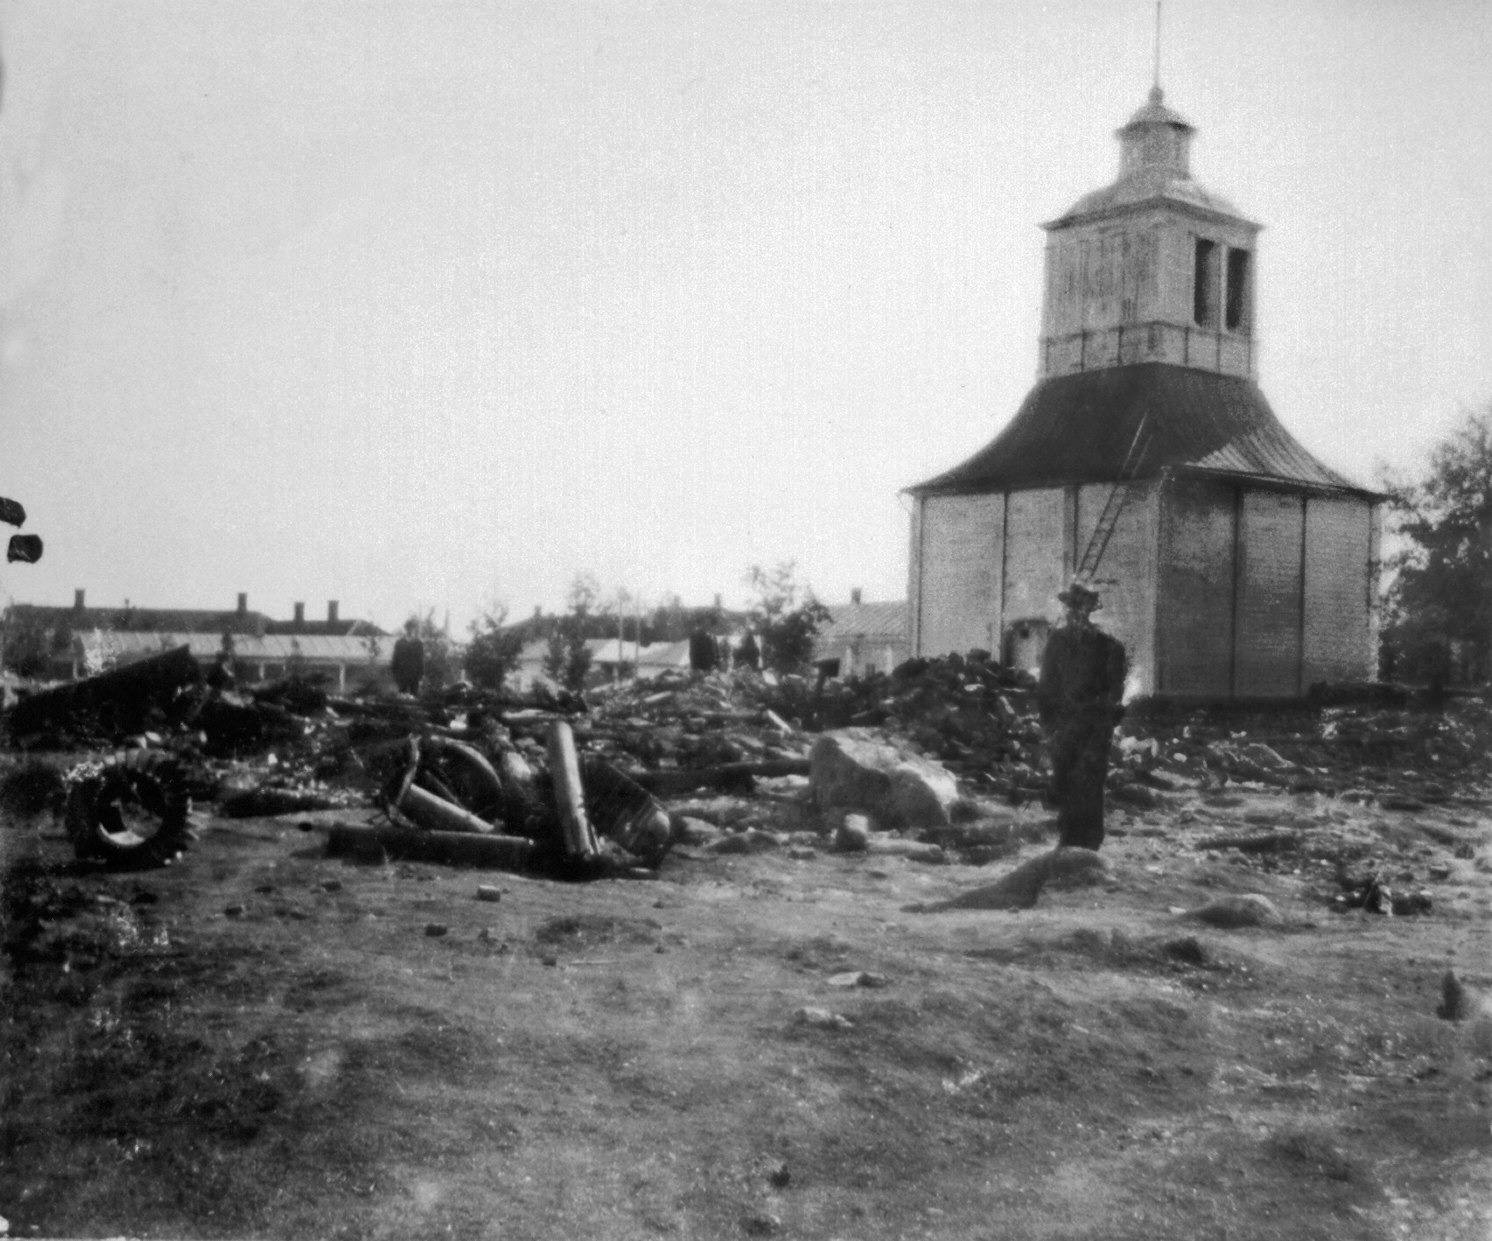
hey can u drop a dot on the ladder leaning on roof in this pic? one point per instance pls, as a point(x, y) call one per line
point(1098, 542)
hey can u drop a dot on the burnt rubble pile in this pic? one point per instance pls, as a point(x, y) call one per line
point(600, 784)
point(1397, 754)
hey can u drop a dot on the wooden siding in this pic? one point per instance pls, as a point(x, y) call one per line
point(959, 575)
point(1338, 554)
point(1038, 545)
point(1271, 529)
point(1195, 605)
point(1125, 578)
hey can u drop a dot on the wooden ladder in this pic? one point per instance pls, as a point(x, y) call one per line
point(1098, 542)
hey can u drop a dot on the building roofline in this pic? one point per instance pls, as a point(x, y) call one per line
point(1182, 205)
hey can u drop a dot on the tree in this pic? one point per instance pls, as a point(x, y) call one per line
point(27, 650)
point(568, 659)
point(785, 615)
point(492, 654)
point(1440, 600)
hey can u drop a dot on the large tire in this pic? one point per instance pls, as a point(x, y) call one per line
point(133, 813)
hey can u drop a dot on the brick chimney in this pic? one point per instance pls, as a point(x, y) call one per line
point(855, 595)
point(78, 604)
point(300, 614)
point(331, 611)
point(538, 610)
point(243, 603)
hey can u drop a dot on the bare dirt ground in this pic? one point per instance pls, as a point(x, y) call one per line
point(262, 1041)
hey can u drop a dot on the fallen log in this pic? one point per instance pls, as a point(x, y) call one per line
point(376, 843)
point(119, 701)
point(725, 776)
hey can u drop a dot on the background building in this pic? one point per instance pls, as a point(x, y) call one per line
point(862, 637)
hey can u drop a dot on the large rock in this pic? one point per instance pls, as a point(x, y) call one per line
point(855, 769)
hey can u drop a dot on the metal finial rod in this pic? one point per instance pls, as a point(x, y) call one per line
point(1156, 82)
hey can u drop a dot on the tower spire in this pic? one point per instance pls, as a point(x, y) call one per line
point(1155, 91)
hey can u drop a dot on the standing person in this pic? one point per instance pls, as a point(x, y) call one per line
point(1079, 698)
point(408, 661)
point(221, 675)
point(702, 652)
point(748, 654)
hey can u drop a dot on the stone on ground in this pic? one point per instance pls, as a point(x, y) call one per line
point(854, 768)
point(1229, 913)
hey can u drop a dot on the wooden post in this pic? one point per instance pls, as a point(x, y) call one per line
point(569, 793)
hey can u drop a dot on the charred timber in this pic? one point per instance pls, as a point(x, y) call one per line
point(121, 700)
point(376, 843)
point(725, 776)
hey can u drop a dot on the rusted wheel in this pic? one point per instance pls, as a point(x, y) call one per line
point(131, 812)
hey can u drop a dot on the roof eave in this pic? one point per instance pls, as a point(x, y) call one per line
point(1156, 200)
point(1274, 483)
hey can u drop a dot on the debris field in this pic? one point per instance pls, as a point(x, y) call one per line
point(721, 955)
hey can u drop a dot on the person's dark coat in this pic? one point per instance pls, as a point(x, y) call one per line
point(408, 664)
point(703, 656)
point(1080, 701)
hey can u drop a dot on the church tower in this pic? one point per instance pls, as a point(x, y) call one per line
point(1153, 268)
point(1231, 562)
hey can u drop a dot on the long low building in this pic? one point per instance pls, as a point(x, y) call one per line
point(347, 661)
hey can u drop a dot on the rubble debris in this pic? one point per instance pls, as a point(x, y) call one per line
point(912, 850)
point(657, 760)
point(752, 840)
point(857, 978)
point(624, 812)
point(1373, 893)
point(32, 789)
point(267, 801)
point(130, 811)
point(390, 843)
point(823, 1019)
point(113, 704)
point(725, 776)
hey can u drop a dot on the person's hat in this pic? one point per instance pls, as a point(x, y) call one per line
point(1079, 596)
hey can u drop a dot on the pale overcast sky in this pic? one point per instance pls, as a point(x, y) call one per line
point(415, 304)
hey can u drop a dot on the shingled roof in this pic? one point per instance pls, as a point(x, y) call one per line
point(1078, 428)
